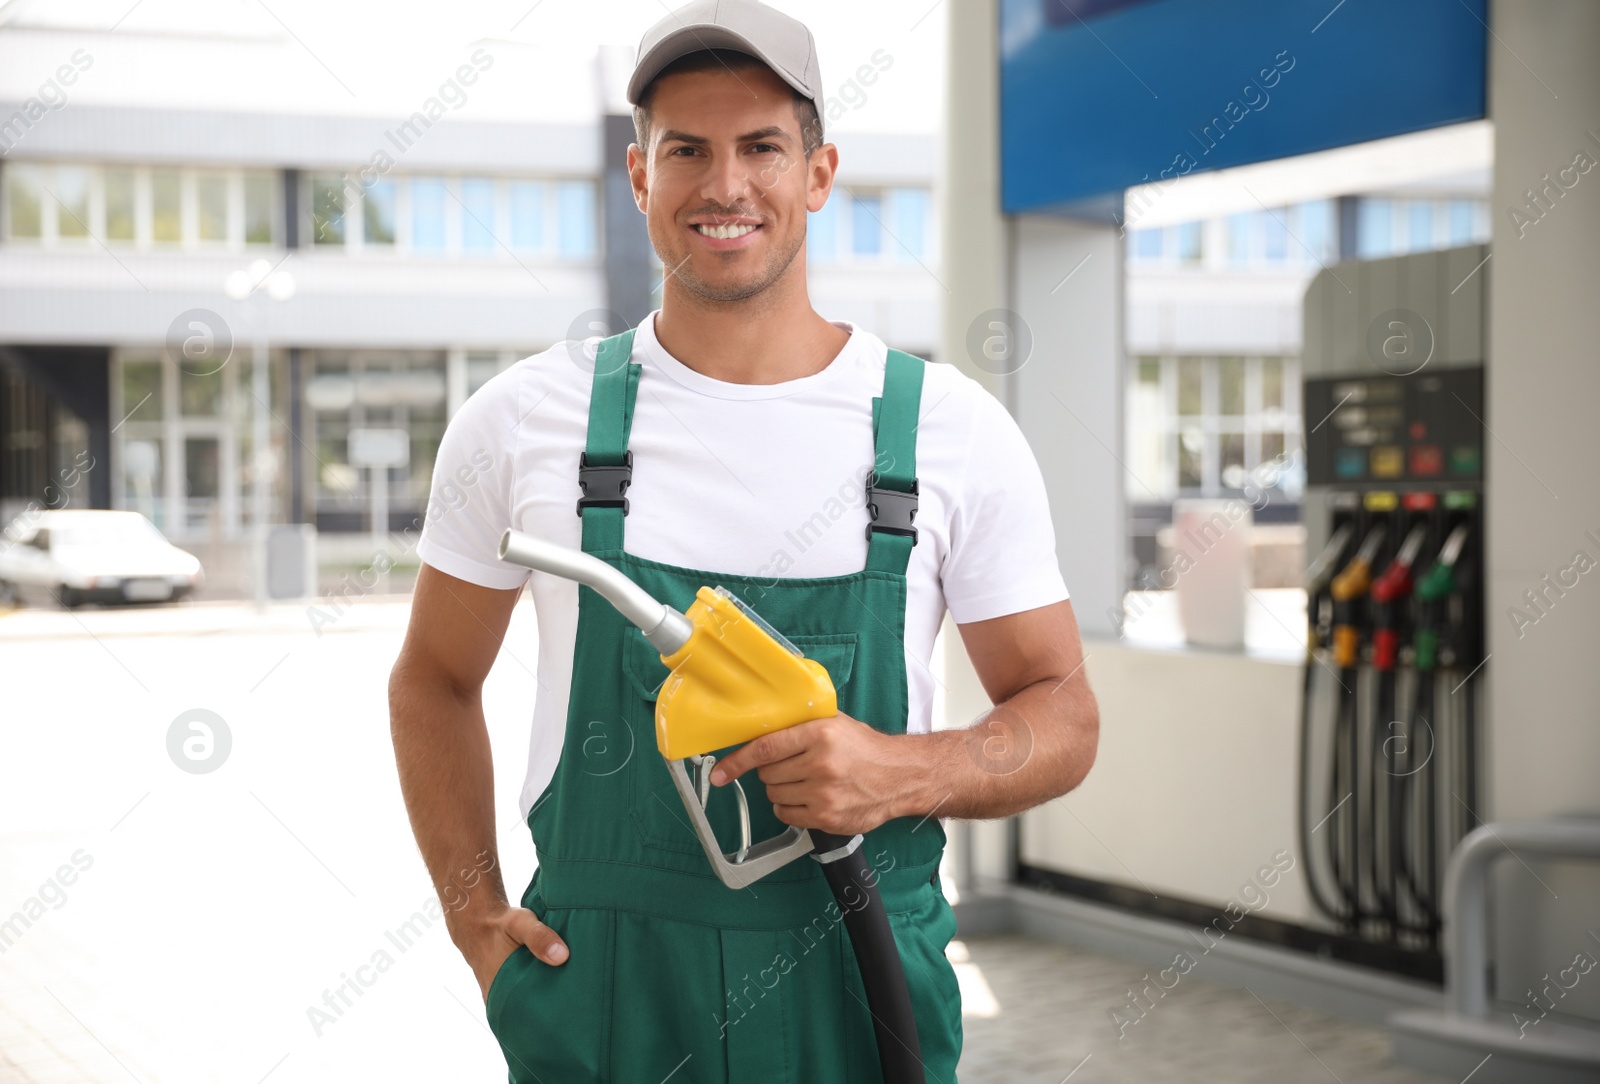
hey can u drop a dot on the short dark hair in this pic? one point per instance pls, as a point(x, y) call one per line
point(805, 110)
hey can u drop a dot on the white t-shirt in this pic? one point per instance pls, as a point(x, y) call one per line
point(750, 479)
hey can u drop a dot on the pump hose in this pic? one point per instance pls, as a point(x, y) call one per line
point(1381, 820)
point(1347, 740)
point(1417, 816)
point(883, 976)
point(1319, 893)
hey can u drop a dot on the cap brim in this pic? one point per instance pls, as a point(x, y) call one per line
point(692, 39)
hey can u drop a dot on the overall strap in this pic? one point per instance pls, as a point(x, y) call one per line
point(892, 490)
point(605, 467)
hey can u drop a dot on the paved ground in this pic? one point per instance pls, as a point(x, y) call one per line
point(1039, 1013)
point(183, 926)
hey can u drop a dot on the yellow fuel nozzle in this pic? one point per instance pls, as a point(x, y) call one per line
point(735, 679)
point(1347, 588)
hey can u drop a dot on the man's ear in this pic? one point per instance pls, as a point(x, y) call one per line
point(639, 177)
point(821, 168)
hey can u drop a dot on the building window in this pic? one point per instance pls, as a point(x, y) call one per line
point(1314, 227)
point(577, 220)
point(327, 209)
point(427, 214)
point(1190, 238)
point(356, 389)
point(122, 221)
point(166, 206)
point(866, 225)
point(260, 208)
point(184, 459)
point(200, 391)
point(527, 215)
point(910, 211)
point(894, 225)
point(71, 196)
point(377, 213)
point(822, 231)
point(477, 214)
point(1460, 222)
point(211, 201)
point(1145, 244)
point(1420, 226)
point(1239, 230)
point(1274, 235)
point(24, 192)
point(1390, 227)
point(138, 206)
point(1375, 230)
point(1197, 426)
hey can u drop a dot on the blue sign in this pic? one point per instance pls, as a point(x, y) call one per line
point(1097, 96)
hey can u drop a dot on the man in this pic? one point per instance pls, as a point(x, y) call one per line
point(850, 494)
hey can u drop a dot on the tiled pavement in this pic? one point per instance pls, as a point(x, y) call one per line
point(1036, 1012)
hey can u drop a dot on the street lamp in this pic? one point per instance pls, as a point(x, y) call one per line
point(242, 285)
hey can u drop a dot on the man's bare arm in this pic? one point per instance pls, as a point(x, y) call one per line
point(441, 746)
point(1037, 743)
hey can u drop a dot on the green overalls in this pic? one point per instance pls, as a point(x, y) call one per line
point(672, 975)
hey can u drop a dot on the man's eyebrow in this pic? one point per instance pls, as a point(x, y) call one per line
point(769, 132)
point(672, 135)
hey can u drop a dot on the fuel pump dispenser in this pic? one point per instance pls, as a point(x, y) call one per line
point(1394, 651)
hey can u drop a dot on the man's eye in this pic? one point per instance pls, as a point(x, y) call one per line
point(765, 148)
point(679, 150)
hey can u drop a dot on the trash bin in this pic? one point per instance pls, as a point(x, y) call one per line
point(292, 560)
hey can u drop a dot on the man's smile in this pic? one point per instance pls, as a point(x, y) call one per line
point(727, 235)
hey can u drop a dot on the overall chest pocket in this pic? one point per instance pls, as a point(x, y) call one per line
point(656, 809)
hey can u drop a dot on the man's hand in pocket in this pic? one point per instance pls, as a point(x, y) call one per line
point(497, 937)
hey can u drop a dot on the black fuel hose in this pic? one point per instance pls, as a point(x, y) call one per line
point(1347, 736)
point(855, 886)
point(1418, 872)
point(1383, 824)
point(1320, 897)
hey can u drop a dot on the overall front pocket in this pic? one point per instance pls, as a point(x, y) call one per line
point(553, 1021)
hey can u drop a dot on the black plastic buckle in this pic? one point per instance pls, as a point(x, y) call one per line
point(892, 510)
point(603, 485)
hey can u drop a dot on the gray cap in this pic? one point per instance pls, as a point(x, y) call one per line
point(782, 43)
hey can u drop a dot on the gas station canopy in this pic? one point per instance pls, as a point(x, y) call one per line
point(1100, 95)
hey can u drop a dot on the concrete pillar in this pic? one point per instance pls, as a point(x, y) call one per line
point(1035, 314)
point(974, 263)
point(973, 266)
point(1542, 461)
point(1068, 290)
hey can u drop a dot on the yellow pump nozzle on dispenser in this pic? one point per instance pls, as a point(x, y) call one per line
point(1349, 586)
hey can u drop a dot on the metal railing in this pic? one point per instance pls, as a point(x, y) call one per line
point(1467, 890)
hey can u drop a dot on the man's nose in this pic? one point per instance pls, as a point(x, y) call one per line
point(727, 183)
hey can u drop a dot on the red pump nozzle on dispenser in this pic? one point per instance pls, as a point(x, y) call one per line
point(1391, 587)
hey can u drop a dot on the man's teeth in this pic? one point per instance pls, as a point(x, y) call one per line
point(724, 232)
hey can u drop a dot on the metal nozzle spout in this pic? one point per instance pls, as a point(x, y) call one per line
point(663, 626)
